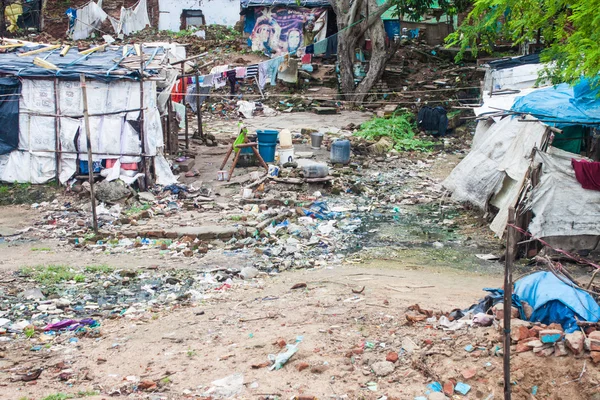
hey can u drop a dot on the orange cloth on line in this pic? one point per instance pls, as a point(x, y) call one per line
point(178, 93)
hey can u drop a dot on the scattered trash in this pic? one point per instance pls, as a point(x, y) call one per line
point(281, 359)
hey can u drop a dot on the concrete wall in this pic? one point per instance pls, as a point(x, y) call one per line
point(221, 12)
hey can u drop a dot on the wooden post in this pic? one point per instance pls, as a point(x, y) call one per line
point(187, 129)
point(508, 285)
point(88, 135)
point(142, 134)
point(57, 145)
point(198, 110)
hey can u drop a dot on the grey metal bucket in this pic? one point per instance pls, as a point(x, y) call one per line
point(316, 138)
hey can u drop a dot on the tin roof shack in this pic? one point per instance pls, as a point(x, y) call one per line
point(43, 133)
point(178, 15)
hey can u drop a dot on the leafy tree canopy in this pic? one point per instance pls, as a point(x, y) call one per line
point(569, 30)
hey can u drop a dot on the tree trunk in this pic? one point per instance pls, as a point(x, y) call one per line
point(350, 35)
point(2, 18)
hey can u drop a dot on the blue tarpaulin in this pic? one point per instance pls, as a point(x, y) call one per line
point(71, 66)
point(555, 301)
point(563, 105)
point(292, 3)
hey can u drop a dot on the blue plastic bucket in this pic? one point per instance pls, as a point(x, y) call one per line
point(267, 142)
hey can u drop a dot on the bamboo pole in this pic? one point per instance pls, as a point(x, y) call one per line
point(38, 51)
point(185, 115)
point(198, 110)
point(510, 257)
point(44, 64)
point(142, 133)
point(65, 50)
point(57, 144)
point(89, 151)
point(93, 50)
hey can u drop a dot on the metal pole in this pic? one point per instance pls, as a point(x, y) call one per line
point(57, 145)
point(510, 256)
point(89, 151)
point(198, 111)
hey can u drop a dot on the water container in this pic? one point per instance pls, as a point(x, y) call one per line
point(285, 139)
point(286, 155)
point(248, 150)
point(340, 152)
point(315, 170)
point(267, 142)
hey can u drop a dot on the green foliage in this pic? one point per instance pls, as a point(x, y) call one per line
point(52, 274)
point(58, 396)
point(135, 209)
point(569, 30)
point(400, 128)
point(29, 332)
point(99, 269)
point(41, 249)
point(87, 393)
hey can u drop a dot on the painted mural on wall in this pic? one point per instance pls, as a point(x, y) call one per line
point(286, 30)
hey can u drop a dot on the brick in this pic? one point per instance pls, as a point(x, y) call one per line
point(535, 331)
point(469, 373)
point(551, 335)
point(594, 338)
point(595, 356)
point(544, 351)
point(560, 350)
point(519, 333)
point(556, 326)
point(522, 348)
point(302, 366)
point(392, 356)
point(574, 342)
point(448, 388)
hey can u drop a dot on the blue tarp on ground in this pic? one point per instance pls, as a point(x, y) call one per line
point(10, 91)
point(565, 104)
point(555, 301)
point(292, 3)
point(71, 66)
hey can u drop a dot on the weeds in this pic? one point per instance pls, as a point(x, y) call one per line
point(29, 332)
point(191, 353)
point(41, 249)
point(52, 274)
point(400, 128)
point(58, 396)
point(99, 269)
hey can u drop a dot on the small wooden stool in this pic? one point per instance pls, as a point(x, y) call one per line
point(241, 143)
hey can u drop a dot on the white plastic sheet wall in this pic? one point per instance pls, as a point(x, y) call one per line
point(111, 135)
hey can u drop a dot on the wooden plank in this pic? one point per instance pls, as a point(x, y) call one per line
point(38, 51)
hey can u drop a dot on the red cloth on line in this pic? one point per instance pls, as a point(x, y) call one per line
point(178, 91)
point(587, 173)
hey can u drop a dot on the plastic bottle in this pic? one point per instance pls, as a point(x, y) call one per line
point(315, 170)
point(285, 139)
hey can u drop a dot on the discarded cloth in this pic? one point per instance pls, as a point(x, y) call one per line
point(206, 80)
point(496, 296)
point(263, 72)
point(307, 59)
point(190, 98)
point(132, 19)
point(433, 119)
point(85, 20)
point(553, 300)
point(587, 173)
point(178, 92)
point(332, 44)
point(179, 113)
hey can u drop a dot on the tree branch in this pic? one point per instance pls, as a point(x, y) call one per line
point(375, 17)
point(353, 11)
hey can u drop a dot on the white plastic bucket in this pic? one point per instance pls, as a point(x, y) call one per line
point(286, 155)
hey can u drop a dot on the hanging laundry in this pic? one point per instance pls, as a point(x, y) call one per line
point(84, 21)
point(240, 72)
point(252, 71)
point(232, 80)
point(218, 79)
point(263, 72)
point(179, 110)
point(332, 44)
point(206, 80)
point(190, 98)
point(587, 173)
point(307, 59)
point(132, 19)
point(289, 71)
point(320, 47)
point(273, 69)
point(310, 49)
point(178, 92)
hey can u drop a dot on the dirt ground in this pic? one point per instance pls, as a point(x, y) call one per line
point(346, 316)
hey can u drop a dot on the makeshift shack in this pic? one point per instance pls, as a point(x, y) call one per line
point(43, 132)
point(521, 159)
point(285, 26)
point(175, 15)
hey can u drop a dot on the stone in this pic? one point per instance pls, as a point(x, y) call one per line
point(188, 253)
point(409, 345)
point(448, 388)
point(551, 335)
point(249, 273)
point(560, 350)
point(575, 341)
point(381, 147)
point(535, 331)
point(555, 326)
point(469, 373)
point(544, 351)
point(186, 165)
point(302, 366)
point(527, 309)
point(33, 293)
point(208, 232)
point(595, 356)
point(382, 368)
point(111, 192)
point(392, 356)
point(522, 347)
point(146, 196)
point(594, 338)
point(437, 396)
point(519, 333)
